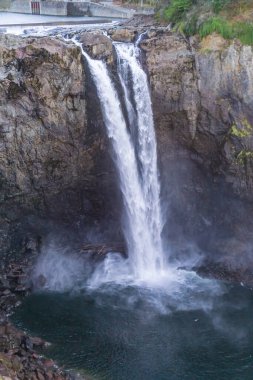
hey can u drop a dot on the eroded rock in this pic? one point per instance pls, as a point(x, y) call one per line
point(97, 45)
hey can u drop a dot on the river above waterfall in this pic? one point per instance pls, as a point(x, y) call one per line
point(129, 332)
point(8, 18)
point(40, 25)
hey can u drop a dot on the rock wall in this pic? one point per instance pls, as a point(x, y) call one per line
point(203, 96)
point(203, 104)
point(52, 165)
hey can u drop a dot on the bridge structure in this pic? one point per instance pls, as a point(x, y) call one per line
point(66, 8)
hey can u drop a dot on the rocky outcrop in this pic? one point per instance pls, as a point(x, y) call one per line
point(97, 45)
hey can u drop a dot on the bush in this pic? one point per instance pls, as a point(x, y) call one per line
point(185, 16)
point(218, 5)
point(244, 31)
point(218, 25)
point(175, 11)
point(241, 30)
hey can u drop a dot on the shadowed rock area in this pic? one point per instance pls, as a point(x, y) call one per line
point(53, 166)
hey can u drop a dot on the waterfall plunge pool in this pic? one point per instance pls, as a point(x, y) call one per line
point(198, 329)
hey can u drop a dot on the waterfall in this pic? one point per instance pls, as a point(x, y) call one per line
point(136, 161)
point(132, 74)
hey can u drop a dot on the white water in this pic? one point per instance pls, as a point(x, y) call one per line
point(139, 183)
point(146, 140)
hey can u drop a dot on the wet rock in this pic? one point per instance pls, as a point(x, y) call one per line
point(41, 281)
point(123, 35)
point(39, 375)
point(19, 361)
point(4, 283)
point(97, 45)
point(145, 21)
point(38, 342)
point(98, 252)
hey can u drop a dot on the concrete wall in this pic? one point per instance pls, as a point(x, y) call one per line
point(78, 9)
point(97, 10)
point(5, 5)
point(20, 6)
point(53, 8)
point(64, 8)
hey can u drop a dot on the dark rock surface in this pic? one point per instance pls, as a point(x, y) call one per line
point(53, 167)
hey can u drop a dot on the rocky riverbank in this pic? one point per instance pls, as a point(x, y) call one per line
point(21, 356)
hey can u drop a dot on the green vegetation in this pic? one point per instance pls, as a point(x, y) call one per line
point(228, 30)
point(229, 18)
point(218, 25)
point(245, 131)
point(177, 9)
point(218, 5)
point(244, 156)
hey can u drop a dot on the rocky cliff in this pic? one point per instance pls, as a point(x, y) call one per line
point(54, 163)
point(203, 105)
point(55, 166)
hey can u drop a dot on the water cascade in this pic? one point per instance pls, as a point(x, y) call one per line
point(131, 74)
point(136, 161)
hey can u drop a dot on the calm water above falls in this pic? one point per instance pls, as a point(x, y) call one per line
point(132, 333)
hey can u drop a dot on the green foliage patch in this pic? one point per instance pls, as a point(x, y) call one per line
point(185, 16)
point(244, 131)
point(228, 30)
point(177, 9)
point(244, 156)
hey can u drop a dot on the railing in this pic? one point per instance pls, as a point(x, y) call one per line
point(35, 7)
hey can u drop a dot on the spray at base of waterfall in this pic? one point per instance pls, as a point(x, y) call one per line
point(60, 270)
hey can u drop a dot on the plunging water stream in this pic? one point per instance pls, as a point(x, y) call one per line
point(132, 75)
point(136, 161)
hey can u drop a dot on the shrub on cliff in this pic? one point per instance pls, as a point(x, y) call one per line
point(229, 18)
point(177, 9)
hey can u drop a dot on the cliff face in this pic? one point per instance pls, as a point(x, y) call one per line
point(55, 160)
point(202, 95)
point(52, 165)
point(203, 103)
